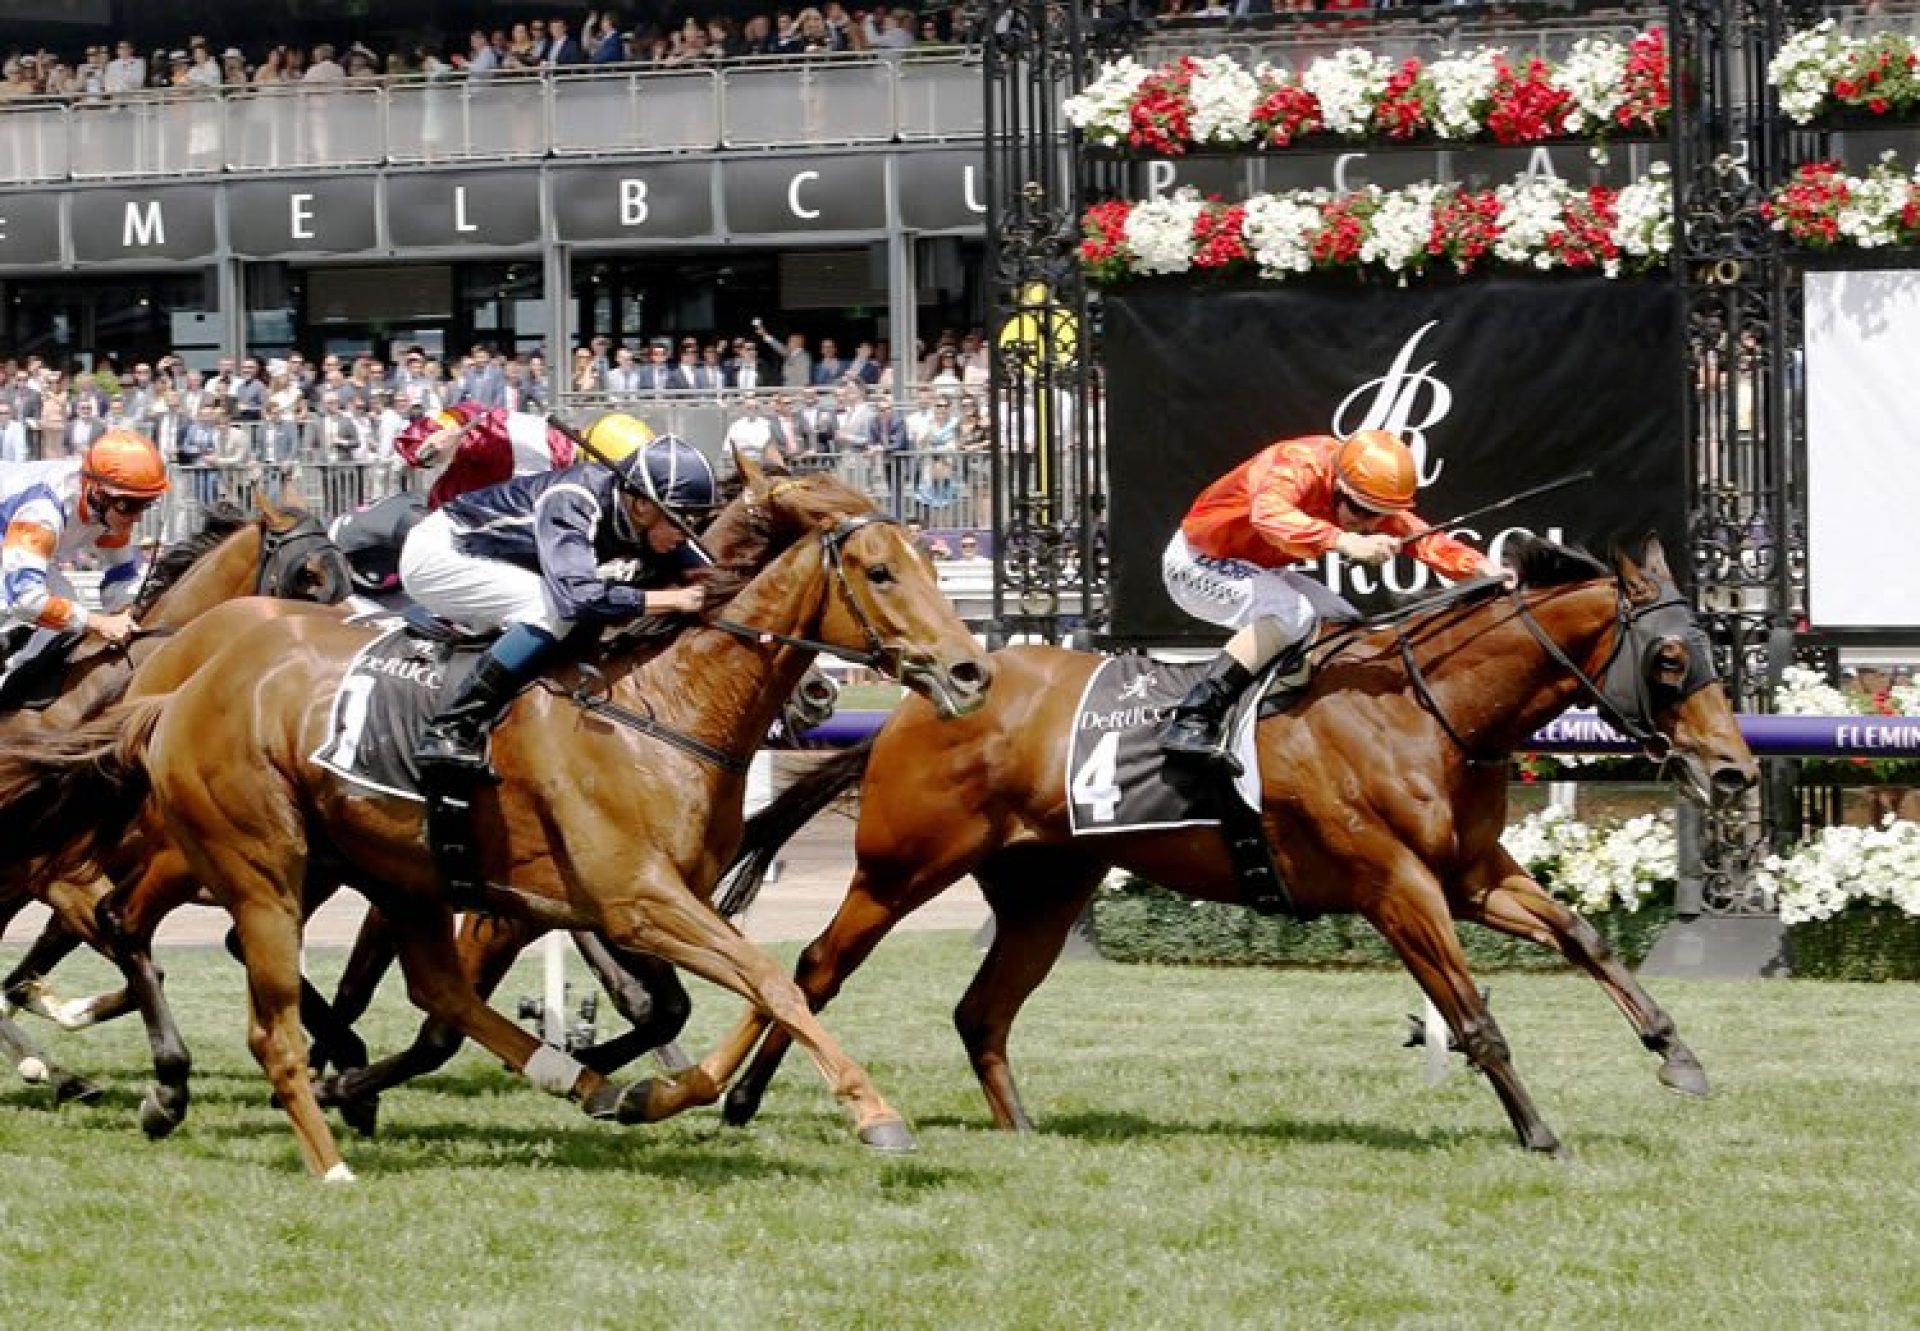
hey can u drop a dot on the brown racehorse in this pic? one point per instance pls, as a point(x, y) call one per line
point(1385, 794)
point(284, 552)
point(613, 820)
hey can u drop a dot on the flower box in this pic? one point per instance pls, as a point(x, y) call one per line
point(1822, 75)
point(1601, 90)
point(1870, 943)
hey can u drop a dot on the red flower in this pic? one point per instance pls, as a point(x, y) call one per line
point(1287, 113)
point(1220, 237)
point(1161, 117)
point(1647, 95)
point(1403, 111)
point(1527, 105)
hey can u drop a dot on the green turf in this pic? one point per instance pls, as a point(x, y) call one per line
point(1218, 1149)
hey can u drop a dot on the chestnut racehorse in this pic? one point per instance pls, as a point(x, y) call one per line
point(616, 819)
point(282, 552)
point(1385, 792)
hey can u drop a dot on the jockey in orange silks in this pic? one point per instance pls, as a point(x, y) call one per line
point(1232, 561)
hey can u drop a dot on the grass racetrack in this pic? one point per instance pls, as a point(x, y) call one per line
point(1217, 1149)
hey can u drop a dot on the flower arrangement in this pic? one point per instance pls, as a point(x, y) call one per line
point(1821, 71)
point(1824, 208)
point(1601, 88)
point(1844, 867)
point(1805, 692)
point(1534, 224)
point(1596, 869)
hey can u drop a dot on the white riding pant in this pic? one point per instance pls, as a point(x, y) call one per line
point(41, 639)
point(1233, 592)
point(479, 593)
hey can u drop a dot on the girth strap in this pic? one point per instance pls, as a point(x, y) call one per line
point(602, 706)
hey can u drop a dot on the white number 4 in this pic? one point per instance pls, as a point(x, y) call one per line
point(1094, 786)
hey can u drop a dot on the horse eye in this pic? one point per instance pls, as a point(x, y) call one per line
point(880, 574)
point(1670, 665)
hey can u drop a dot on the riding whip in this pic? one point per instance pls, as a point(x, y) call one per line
point(632, 487)
point(1496, 506)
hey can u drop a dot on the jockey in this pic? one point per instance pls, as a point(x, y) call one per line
point(482, 446)
point(479, 447)
point(1231, 562)
point(538, 555)
point(54, 510)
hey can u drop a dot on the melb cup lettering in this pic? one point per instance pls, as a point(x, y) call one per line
point(1405, 401)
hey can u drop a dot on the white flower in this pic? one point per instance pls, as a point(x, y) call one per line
point(1644, 226)
point(1398, 234)
point(1804, 692)
point(1843, 865)
point(1596, 869)
point(1594, 73)
point(1280, 230)
point(1160, 232)
point(1103, 110)
point(1463, 87)
point(1223, 95)
point(1806, 67)
point(1348, 83)
point(1531, 209)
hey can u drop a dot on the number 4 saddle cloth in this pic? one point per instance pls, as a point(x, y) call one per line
point(1117, 778)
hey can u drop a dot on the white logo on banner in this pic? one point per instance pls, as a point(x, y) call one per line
point(1404, 401)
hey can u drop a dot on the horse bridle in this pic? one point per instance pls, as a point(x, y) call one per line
point(880, 653)
point(1621, 694)
point(282, 552)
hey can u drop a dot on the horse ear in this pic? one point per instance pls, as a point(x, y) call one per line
point(290, 496)
point(756, 479)
point(270, 513)
point(1653, 559)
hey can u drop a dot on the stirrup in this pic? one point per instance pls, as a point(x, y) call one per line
point(1190, 739)
point(439, 753)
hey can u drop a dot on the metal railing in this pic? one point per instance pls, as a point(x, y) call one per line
point(760, 103)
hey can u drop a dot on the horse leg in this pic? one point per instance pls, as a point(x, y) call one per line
point(26, 989)
point(367, 964)
point(877, 899)
point(37, 1068)
point(648, 993)
point(1036, 893)
point(686, 932)
point(484, 953)
point(1411, 914)
point(1506, 898)
point(125, 921)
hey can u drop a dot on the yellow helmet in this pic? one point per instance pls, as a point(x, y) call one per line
point(618, 436)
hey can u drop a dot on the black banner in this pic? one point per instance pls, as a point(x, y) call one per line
point(1499, 385)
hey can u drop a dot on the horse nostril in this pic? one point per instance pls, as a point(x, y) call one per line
point(1731, 780)
point(968, 674)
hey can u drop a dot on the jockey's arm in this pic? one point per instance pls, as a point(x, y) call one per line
point(25, 561)
point(120, 579)
point(1293, 532)
point(564, 524)
point(1441, 553)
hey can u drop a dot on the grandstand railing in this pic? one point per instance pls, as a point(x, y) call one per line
point(617, 110)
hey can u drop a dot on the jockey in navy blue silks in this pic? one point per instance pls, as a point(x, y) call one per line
point(541, 554)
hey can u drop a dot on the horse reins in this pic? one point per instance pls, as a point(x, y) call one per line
point(877, 655)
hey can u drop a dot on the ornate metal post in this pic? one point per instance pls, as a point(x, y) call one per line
point(1045, 395)
point(1729, 149)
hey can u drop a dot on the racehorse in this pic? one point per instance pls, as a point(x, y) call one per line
point(1384, 792)
point(282, 551)
point(615, 818)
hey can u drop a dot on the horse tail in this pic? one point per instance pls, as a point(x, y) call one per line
point(63, 794)
point(770, 829)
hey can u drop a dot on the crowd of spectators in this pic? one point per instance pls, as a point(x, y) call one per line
point(785, 400)
point(561, 41)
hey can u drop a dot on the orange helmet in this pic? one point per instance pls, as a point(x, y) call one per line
point(1378, 470)
point(124, 462)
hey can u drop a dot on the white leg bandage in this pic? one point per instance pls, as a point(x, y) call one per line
point(553, 1071)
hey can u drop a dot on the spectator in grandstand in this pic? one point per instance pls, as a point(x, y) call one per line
point(788, 437)
point(87, 425)
point(249, 396)
point(889, 29)
point(481, 59)
point(324, 68)
point(886, 430)
point(752, 433)
point(561, 49)
point(50, 431)
point(624, 377)
point(744, 372)
point(821, 418)
point(852, 430)
point(586, 376)
point(601, 37)
point(335, 437)
point(482, 381)
point(756, 36)
point(969, 546)
point(795, 361)
point(203, 72)
point(272, 69)
point(13, 436)
point(126, 72)
point(536, 390)
point(233, 68)
point(692, 373)
point(830, 369)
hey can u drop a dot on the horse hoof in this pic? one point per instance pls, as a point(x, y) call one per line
point(156, 1120)
point(622, 1104)
point(339, 1174)
point(1685, 1076)
point(740, 1107)
point(76, 1091)
point(33, 1070)
point(362, 1115)
point(889, 1136)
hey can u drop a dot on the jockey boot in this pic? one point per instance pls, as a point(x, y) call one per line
point(454, 741)
point(1198, 726)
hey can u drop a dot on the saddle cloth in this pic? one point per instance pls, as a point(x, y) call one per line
point(389, 693)
point(1118, 780)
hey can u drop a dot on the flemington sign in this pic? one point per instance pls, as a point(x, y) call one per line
point(404, 213)
point(1767, 736)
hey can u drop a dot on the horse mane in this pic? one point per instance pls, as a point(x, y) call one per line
point(806, 502)
point(1541, 563)
point(217, 523)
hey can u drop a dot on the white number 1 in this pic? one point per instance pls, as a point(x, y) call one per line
point(356, 695)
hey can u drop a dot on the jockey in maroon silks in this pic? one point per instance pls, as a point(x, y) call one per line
point(489, 446)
